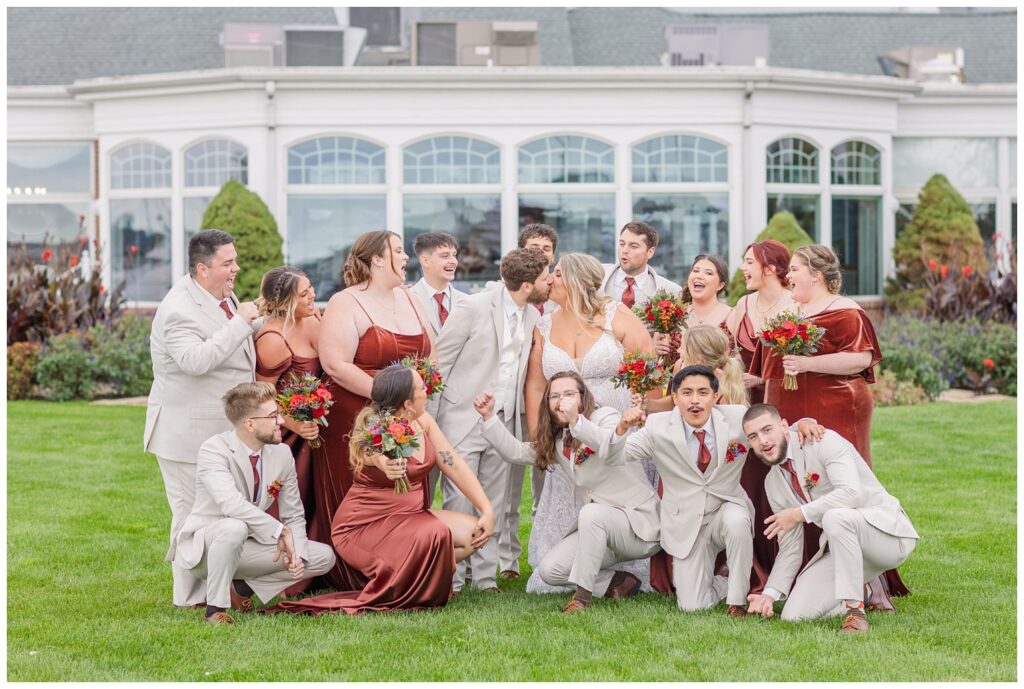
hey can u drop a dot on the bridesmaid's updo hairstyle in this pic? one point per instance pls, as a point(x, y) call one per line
point(772, 253)
point(358, 266)
point(547, 431)
point(583, 276)
point(392, 388)
point(821, 259)
point(708, 345)
point(721, 267)
point(277, 294)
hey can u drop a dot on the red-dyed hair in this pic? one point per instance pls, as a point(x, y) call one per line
point(772, 253)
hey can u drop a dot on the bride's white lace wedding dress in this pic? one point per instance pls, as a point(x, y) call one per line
point(561, 500)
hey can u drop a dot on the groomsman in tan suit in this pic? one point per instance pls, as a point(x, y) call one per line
point(865, 531)
point(632, 281)
point(485, 345)
point(201, 345)
point(228, 538)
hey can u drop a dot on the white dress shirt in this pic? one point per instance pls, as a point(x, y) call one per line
point(693, 445)
point(639, 289)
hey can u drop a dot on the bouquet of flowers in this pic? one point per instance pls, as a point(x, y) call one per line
point(428, 372)
point(788, 333)
point(640, 373)
point(306, 398)
point(664, 313)
point(392, 436)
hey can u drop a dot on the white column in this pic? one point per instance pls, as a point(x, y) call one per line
point(393, 156)
point(509, 198)
point(623, 181)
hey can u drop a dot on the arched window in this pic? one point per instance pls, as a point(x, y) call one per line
point(140, 165)
point(680, 158)
point(212, 163)
point(792, 161)
point(856, 162)
point(336, 160)
point(452, 160)
point(566, 160)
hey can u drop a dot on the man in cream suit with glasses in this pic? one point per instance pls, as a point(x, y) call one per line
point(865, 530)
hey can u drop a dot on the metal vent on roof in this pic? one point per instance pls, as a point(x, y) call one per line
point(924, 63)
point(315, 47)
point(514, 33)
point(704, 44)
point(252, 45)
point(383, 24)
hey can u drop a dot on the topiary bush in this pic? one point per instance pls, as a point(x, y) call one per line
point(782, 227)
point(67, 368)
point(22, 358)
point(243, 214)
point(122, 355)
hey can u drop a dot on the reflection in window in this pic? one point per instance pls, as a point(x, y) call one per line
point(452, 160)
point(857, 241)
point(803, 207)
point(680, 158)
point(687, 225)
point(336, 160)
point(792, 161)
point(140, 247)
point(214, 162)
point(140, 166)
point(192, 220)
point(54, 167)
point(566, 160)
point(584, 222)
point(473, 219)
point(856, 162)
point(966, 163)
point(984, 216)
point(321, 230)
point(34, 223)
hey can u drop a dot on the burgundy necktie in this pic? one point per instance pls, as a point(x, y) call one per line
point(255, 478)
point(442, 312)
point(226, 309)
point(628, 296)
point(566, 452)
point(788, 467)
point(703, 453)
point(540, 307)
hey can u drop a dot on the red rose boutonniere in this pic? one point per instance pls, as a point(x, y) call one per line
point(811, 480)
point(274, 489)
point(735, 449)
point(581, 454)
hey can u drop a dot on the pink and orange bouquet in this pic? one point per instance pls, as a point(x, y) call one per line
point(428, 371)
point(306, 398)
point(788, 333)
point(641, 373)
point(664, 312)
point(392, 436)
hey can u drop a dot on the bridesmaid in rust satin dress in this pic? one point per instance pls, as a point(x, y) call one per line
point(405, 552)
point(833, 382)
point(366, 327)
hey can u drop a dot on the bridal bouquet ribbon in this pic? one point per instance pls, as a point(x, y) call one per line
point(394, 437)
point(428, 371)
point(788, 333)
point(306, 398)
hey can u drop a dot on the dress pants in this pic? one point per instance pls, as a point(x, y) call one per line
point(492, 472)
point(509, 547)
point(857, 553)
point(231, 554)
point(180, 487)
point(693, 576)
point(603, 538)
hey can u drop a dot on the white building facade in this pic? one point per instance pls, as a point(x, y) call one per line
point(705, 155)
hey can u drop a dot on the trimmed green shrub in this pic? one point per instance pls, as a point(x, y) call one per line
point(66, 368)
point(122, 355)
point(22, 358)
point(243, 214)
point(782, 227)
point(942, 233)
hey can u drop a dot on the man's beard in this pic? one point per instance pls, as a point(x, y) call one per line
point(535, 296)
point(271, 438)
point(783, 448)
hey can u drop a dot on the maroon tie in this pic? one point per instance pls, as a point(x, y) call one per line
point(226, 309)
point(628, 296)
point(566, 452)
point(703, 453)
point(788, 467)
point(540, 307)
point(442, 312)
point(255, 478)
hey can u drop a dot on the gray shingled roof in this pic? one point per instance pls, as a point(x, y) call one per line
point(57, 45)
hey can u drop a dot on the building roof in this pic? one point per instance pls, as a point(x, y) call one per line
point(54, 45)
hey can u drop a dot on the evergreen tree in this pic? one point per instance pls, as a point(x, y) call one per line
point(782, 227)
point(243, 214)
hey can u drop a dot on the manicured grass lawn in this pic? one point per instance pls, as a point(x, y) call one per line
point(88, 595)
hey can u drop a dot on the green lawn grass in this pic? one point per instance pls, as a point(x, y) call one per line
point(88, 595)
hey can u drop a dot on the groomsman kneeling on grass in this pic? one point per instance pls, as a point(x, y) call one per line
point(228, 538)
point(865, 531)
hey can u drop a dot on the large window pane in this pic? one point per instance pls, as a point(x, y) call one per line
point(192, 220)
point(566, 160)
point(321, 230)
point(857, 241)
point(856, 162)
point(336, 160)
point(140, 166)
point(140, 247)
point(680, 159)
point(792, 161)
point(214, 162)
point(584, 222)
point(55, 222)
point(805, 208)
point(965, 162)
point(452, 160)
point(59, 168)
point(474, 220)
point(687, 225)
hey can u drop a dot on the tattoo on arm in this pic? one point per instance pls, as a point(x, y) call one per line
point(446, 458)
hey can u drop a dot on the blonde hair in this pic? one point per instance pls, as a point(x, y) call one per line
point(708, 345)
point(583, 276)
point(821, 259)
point(278, 290)
point(243, 399)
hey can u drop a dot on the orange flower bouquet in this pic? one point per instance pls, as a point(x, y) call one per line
point(392, 436)
point(306, 398)
point(788, 333)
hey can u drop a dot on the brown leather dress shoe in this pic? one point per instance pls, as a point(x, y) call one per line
point(509, 574)
point(218, 618)
point(625, 588)
point(574, 605)
point(239, 602)
point(736, 611)
point(197, 606)
point(491, 589)
point(855, 622)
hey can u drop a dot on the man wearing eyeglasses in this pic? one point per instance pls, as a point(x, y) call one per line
point(228, 538)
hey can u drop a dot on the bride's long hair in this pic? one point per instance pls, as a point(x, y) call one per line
point(392, 388)
point(582, 276)
point(547, 431)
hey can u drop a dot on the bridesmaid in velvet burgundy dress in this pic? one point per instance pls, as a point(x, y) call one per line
point(833, 382)
point(370, 324)
point(405, 551)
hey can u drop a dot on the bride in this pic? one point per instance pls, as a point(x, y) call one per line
point(586, 334)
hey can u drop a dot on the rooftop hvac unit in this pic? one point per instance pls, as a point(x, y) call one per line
point(252, 45)
point(924, 62)
point(693, 45)
point(514, 33)
point(310, 46)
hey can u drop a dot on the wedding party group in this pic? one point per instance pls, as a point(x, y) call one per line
point(676, 444)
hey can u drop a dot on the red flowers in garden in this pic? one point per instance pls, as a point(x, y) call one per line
point(74, 261)
point(966, 271)
point(46, 255)
point(988, 364)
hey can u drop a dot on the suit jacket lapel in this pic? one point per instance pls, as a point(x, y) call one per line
point(203, 304)
point(498, 317)
point(240, 453)
point(678, 432)
point(721, 438)
point(426, 293)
